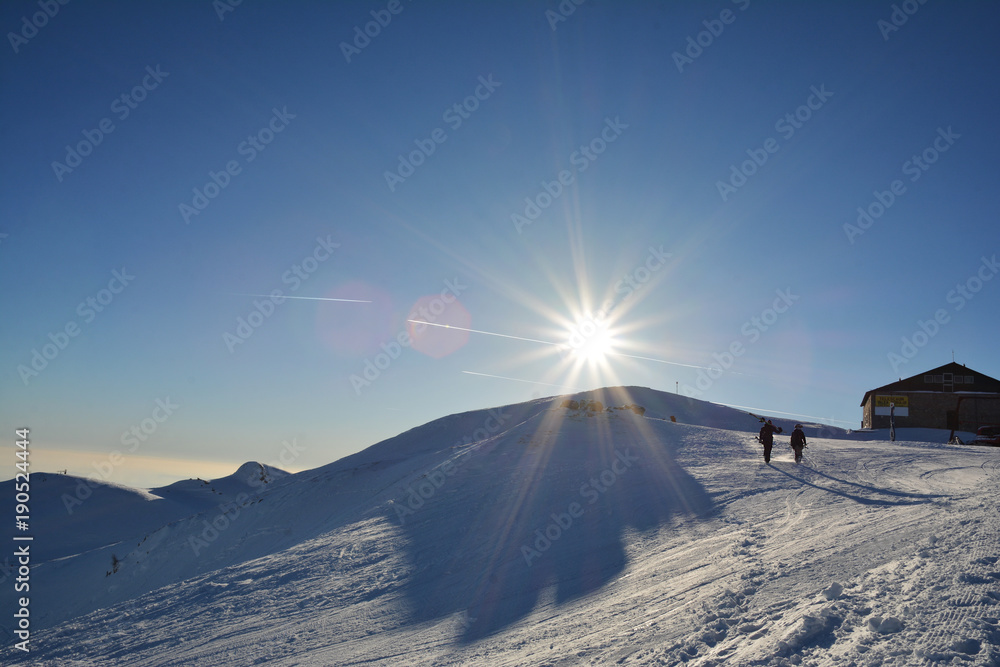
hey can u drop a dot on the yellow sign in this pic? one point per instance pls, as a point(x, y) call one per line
point(884, 401)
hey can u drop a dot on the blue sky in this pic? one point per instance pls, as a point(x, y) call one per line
point(680, 172)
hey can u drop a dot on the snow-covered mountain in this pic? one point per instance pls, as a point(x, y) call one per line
point(621, 526)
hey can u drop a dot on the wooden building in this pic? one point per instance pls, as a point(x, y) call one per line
point(948, 397)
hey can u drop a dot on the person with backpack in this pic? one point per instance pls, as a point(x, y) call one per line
point(798, 442)
point(766, 438)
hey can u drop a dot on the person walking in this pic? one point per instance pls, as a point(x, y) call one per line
point(766, 437)
point(798, 442)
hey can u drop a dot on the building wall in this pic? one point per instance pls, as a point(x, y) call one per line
point(931, 410)
point(979, 412)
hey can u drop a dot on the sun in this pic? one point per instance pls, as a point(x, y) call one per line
point(590, 340)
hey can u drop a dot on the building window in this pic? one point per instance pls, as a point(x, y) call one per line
point(959, 379)
point(969, 379)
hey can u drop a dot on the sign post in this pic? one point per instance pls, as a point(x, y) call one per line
point(892, 422)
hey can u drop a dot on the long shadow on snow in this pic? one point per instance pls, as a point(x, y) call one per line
point(887, 492)
point(517, 517)
point(912, 498)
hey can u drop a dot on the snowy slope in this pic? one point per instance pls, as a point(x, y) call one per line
point(536, 534)
point(77, 521)
point(78, 514)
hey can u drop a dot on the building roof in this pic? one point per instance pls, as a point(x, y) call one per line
point(928, 382)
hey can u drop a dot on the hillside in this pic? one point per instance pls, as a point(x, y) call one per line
point(540, 534)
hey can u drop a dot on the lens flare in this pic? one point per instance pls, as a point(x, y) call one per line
point(591, 340)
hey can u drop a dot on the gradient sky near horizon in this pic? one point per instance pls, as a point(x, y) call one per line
point(694, 170)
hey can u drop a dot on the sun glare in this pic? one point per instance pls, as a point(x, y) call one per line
point(591, 340)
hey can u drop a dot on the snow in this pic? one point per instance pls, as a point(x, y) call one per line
point(536, 534)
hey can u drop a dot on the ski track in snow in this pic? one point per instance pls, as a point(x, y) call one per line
point(868, 553)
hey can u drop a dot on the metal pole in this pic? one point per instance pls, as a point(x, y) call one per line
point(892, 422)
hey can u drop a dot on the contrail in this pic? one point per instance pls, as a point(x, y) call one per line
point(545, 342)
point(662, 361)
point(501, 377)
point(311, 298)
point(488, 333)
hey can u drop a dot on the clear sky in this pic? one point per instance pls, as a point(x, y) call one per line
point(687, 175)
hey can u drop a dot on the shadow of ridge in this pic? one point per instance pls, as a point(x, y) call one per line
point(887, 492)
point(519, 518)
point(858, 499)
